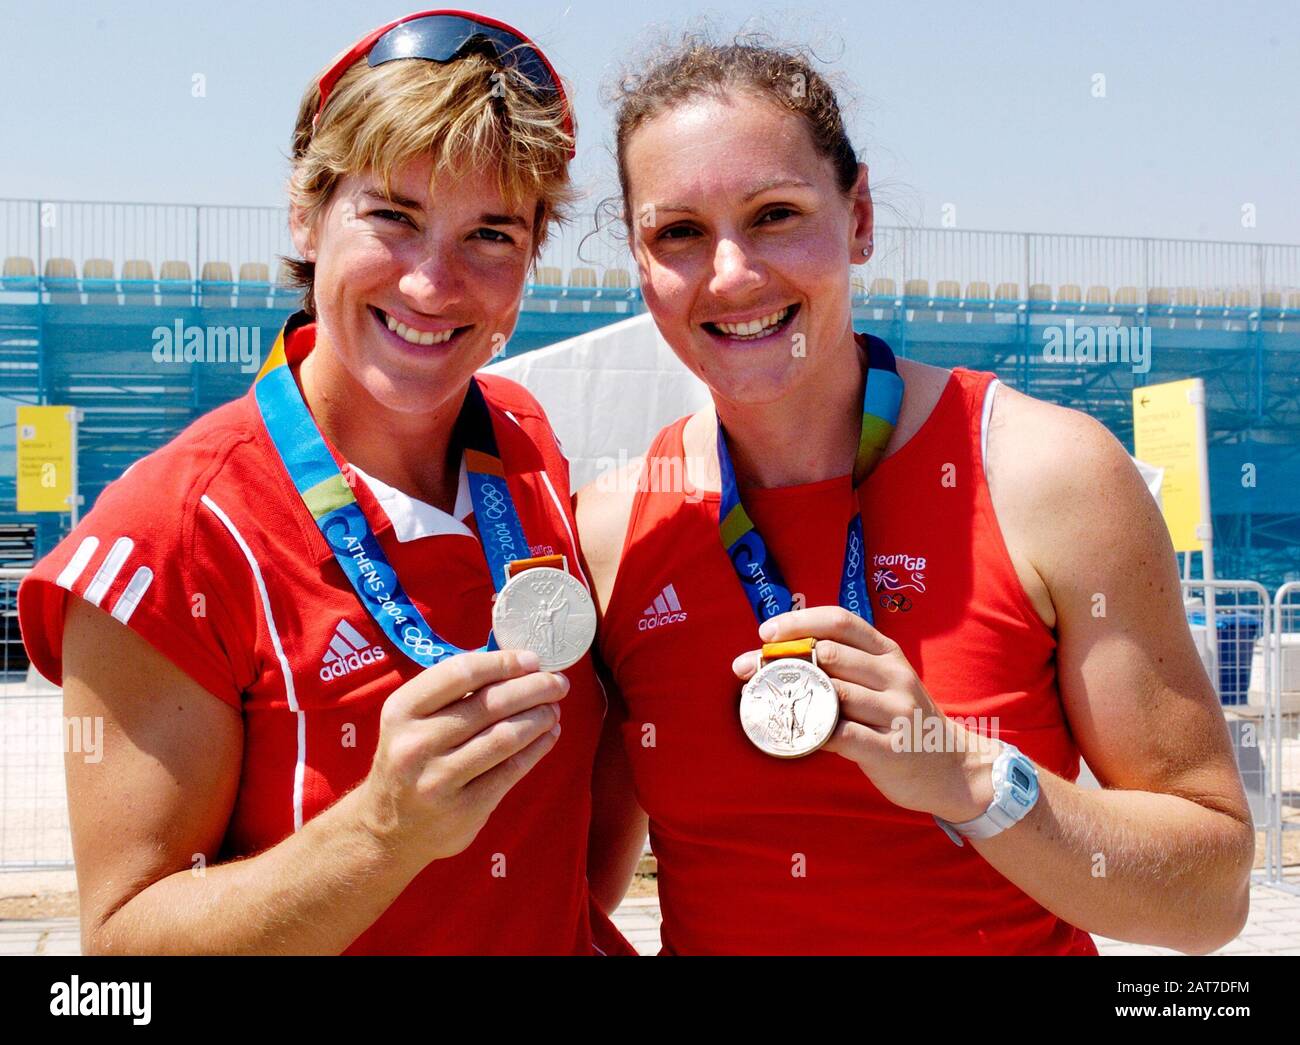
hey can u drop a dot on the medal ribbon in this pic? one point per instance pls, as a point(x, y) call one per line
point(330, 500)
point(757, 569)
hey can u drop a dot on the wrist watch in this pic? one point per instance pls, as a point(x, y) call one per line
point(1015, 790)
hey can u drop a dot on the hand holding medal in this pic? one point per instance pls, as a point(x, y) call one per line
point(877, 692)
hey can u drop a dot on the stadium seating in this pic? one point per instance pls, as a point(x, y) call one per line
point(979, 302)
point(947, 294)
point(216, 284)
point(581, 288)
point(1291, 313)
point(1185, 301)
point(254, 284)
point(138, 286)
point(584, 289)
point(18, 274)
point(615, 292)
point(917, 292)
point(98, 281)
point(1240, 303)
point(1127, 299)
point(1159, 301)
point(1069, 298)
point(883, 298)
point(1040, 304)
point(61, 282)
point(175, 284)
point(545, 285)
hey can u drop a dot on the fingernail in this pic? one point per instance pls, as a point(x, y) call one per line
point(557, 713)
point(767, 631)
point(555, 730)
point(564, 681)
point(528, 660)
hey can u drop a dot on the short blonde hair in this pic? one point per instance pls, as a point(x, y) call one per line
point(470, 115)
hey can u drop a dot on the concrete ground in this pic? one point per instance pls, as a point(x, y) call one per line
point(1272, 929)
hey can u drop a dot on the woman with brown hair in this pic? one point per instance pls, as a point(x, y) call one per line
point(283, 616)
point(861, 654)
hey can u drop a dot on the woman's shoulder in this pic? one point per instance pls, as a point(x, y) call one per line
point(512, 400)
point(156, 553)
point(602, 510)
point(509, 396)
point(149, 519)
point(186, 466)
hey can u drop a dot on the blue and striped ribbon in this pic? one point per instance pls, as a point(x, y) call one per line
point(330, 500)
point(755, 566)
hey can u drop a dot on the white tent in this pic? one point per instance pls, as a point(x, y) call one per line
point(607, 392)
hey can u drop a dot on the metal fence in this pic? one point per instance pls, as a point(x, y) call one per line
point(153, 232)
point(1251, 652)
point(33, 737)
point(1283, 666)
point(1228, 619)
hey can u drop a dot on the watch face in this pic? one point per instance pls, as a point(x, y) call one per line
point(1021, 781)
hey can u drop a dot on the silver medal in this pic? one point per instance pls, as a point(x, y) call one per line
point(547, 611)
point(789, 708)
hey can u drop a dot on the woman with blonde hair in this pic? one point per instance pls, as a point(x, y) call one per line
point(283, 616)
point(862, 652)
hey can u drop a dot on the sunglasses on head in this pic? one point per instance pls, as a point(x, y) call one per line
point(443, 36)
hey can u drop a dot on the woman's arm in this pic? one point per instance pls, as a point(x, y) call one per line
point(1163, 854)
point(618, 825)
point(149, 818)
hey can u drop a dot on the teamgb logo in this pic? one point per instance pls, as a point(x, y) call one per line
point(665, 610)
point(349, 650)
point(893, 575)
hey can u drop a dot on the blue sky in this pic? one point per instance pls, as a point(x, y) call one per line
point(987, 107)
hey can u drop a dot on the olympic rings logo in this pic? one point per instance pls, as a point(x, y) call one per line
point(854, 556)
point(895, 603)
point(416, 640)
point(494, 501)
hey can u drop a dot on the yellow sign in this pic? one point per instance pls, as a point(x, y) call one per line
point(45, 463)
point(1169, 432)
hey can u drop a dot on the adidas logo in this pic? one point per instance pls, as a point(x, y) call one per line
point(663, 611)
point(348, 651)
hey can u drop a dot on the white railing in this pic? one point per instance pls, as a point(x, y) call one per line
point(79, 230)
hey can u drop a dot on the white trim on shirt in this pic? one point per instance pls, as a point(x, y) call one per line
point(412, 518)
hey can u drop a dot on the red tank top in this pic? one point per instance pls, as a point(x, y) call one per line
point(764, 855)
